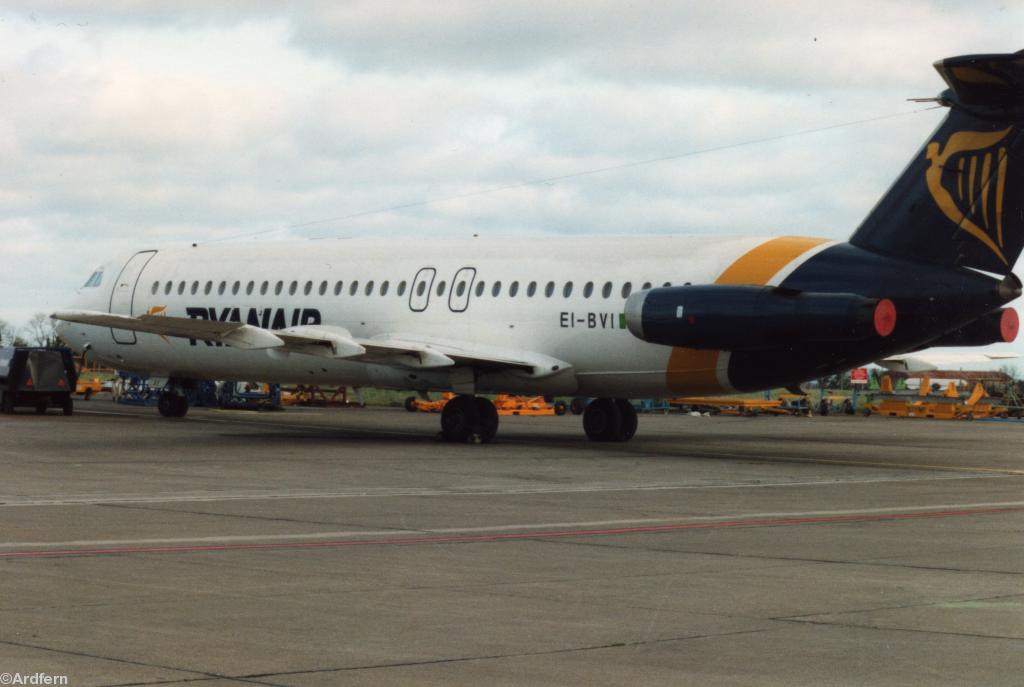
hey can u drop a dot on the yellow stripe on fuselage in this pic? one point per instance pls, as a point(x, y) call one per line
point(694, 371)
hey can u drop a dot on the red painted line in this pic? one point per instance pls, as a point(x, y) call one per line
point(515, 536)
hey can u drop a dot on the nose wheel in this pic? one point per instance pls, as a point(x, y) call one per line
point(172, 401)
point(609, 419)
point(172, 405)
point(469, 419)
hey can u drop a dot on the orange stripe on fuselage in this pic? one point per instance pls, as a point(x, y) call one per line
point(695, 371)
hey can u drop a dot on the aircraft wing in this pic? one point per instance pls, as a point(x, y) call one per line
point(236, 334)
point(327, 341)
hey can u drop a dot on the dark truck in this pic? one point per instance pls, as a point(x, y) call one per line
point(37, 377)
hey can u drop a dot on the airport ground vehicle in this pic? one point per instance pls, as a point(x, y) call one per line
point(37, 377)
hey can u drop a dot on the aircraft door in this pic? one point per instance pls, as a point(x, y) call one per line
point(419, 294)
point(462, 285)
point(123, 295)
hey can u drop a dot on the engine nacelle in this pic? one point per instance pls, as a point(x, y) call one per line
point(999, 326)
point(737, 318)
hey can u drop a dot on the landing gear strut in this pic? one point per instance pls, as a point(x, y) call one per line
point(469, 419)
point(172, 401)
point(609, 419)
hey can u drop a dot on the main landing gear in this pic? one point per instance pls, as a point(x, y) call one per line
point(469, 419)
point(609, 419)
point(172, 401)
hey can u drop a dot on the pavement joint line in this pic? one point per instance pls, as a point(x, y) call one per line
point(98, 657)
point(867, 562)
point(916, 630)
point(921, 604)
point(523, 654)
point(502, 536)
point(394, 492)
point(540, 528)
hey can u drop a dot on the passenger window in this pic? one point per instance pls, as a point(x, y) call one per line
point(588, 289)
point(567, 289)
point(181, 288)
point(278, 287)
point(549, 289)
point(167, 288)
point(496, 289)
point(323, 288)
point(401, 288)
point(646, 285)
point(531, 289)
point(221, 288)
point(667, 284)
point(195, 288)
point(606, 291)
point(627, 289)
point(208, 288)
point(308, 289)
point(384, 287)
point(441, 287)
point(337, 288)
point(235, 287)
point(263, 288)
point(156, 287)
point(249, 288)
point(420, 288)
point(353, 288)
point(460, 289)
point(292, 288)
point(513, 289)
point(479, 289)
point(369, 287)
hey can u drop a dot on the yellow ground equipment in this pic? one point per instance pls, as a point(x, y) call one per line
point(88, 387)
point(948, 406)
point(528, 405)
point(505, 404)
point(730, 406)
point(413, 404)
point(318, 397)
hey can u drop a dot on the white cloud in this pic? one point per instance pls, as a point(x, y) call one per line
point(201, 120)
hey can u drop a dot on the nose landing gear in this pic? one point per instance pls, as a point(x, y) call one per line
point(173, 402)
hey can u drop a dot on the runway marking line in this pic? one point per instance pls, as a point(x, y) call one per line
point(517, 536)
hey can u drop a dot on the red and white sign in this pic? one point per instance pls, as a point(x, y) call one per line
point(859, 375)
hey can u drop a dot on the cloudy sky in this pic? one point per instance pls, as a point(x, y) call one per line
point(126, 125)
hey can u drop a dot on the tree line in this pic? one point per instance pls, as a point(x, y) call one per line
point(40, 331)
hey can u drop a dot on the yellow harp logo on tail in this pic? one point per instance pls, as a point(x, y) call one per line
point(977, 170)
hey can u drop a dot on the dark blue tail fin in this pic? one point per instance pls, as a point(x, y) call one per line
point(961, 199)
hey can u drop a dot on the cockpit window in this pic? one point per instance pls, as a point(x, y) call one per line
point(94, 280)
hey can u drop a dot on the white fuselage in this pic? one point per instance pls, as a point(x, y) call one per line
point(562, 297)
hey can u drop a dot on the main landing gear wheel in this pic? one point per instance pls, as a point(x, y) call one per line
point(469, 419)
point(172, 405)
point(609, 419)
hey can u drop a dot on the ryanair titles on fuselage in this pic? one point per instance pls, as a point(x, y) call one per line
point(264, 318)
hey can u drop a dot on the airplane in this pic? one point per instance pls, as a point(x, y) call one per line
point(606, 317)
point(927, 361)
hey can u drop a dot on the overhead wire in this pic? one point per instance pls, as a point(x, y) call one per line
point(575, 175)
